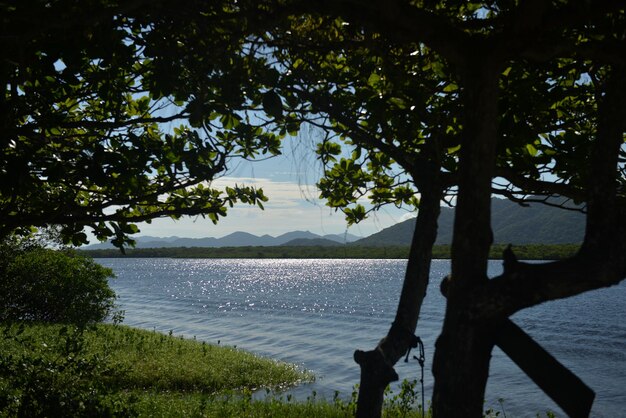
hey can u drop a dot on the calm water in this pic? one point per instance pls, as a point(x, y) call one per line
point(316, 312)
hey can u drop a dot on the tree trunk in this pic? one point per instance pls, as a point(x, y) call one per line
point(602, 231)
point(463, 350)
point(461, 365)
point(377, 370)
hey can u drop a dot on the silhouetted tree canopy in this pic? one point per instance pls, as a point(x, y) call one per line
point(105, 122)
point(416, 101)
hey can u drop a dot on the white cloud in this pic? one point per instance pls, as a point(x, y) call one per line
point(291, 207)
point(281, 194)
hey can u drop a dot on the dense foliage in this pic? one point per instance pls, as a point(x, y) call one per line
point(105, 123)
point(40, 284)
point(45, 371)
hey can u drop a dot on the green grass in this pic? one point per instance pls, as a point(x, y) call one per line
point(242, 405)
point(151, 360)
point(167, 363)
point(113, 370)
point(117, 370)
point(193, 405)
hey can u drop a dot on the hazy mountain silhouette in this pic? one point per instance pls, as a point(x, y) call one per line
point(236, 239)
point(312, 242)
point(511, 223)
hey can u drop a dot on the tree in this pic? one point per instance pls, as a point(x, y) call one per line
point(400, 133)
point(92, 91)
point(500, 57)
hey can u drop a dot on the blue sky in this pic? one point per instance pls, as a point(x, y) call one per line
point(289, 182)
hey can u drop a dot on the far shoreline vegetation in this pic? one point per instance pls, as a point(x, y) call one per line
point(523, 252)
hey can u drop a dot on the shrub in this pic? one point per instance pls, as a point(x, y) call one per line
point(54, 376)
point(55, 286)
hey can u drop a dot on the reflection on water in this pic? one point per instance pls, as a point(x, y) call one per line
point(316, 312)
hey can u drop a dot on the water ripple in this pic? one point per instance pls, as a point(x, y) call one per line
point(316, 312)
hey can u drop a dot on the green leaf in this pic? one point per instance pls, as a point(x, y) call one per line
point(355, 215)
point(397, 102)
point(373, 80)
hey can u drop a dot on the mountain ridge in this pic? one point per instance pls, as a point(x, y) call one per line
point(511, 223)
point(235, 239)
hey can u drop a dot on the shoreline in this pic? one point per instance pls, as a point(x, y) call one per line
point(523, 252)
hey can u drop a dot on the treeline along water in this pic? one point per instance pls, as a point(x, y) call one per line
point(316, 312)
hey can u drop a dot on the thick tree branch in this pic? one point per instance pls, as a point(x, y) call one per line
point(523, 285)
point(112, 124)
point(539, 187)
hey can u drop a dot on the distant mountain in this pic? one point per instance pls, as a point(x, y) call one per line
point(149, 238)
point(156, 242)
point(236, 239)
point(342, 238)
point(312, 242)
point(511, 223)
point(295, 235)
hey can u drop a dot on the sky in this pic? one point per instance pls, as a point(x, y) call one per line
point(289, 182)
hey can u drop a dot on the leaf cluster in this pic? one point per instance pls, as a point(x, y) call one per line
point(115, 114)
point(372, 93)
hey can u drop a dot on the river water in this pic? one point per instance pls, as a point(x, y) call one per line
point(315, 313)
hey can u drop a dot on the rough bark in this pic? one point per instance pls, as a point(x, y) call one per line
point(463, 350)
point(377, 365)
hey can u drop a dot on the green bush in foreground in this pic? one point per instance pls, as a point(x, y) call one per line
point(54, 286)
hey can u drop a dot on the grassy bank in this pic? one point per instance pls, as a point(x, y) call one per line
point(117, 370)
point(112, 370)
point(523, 252)
point(150, 360)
